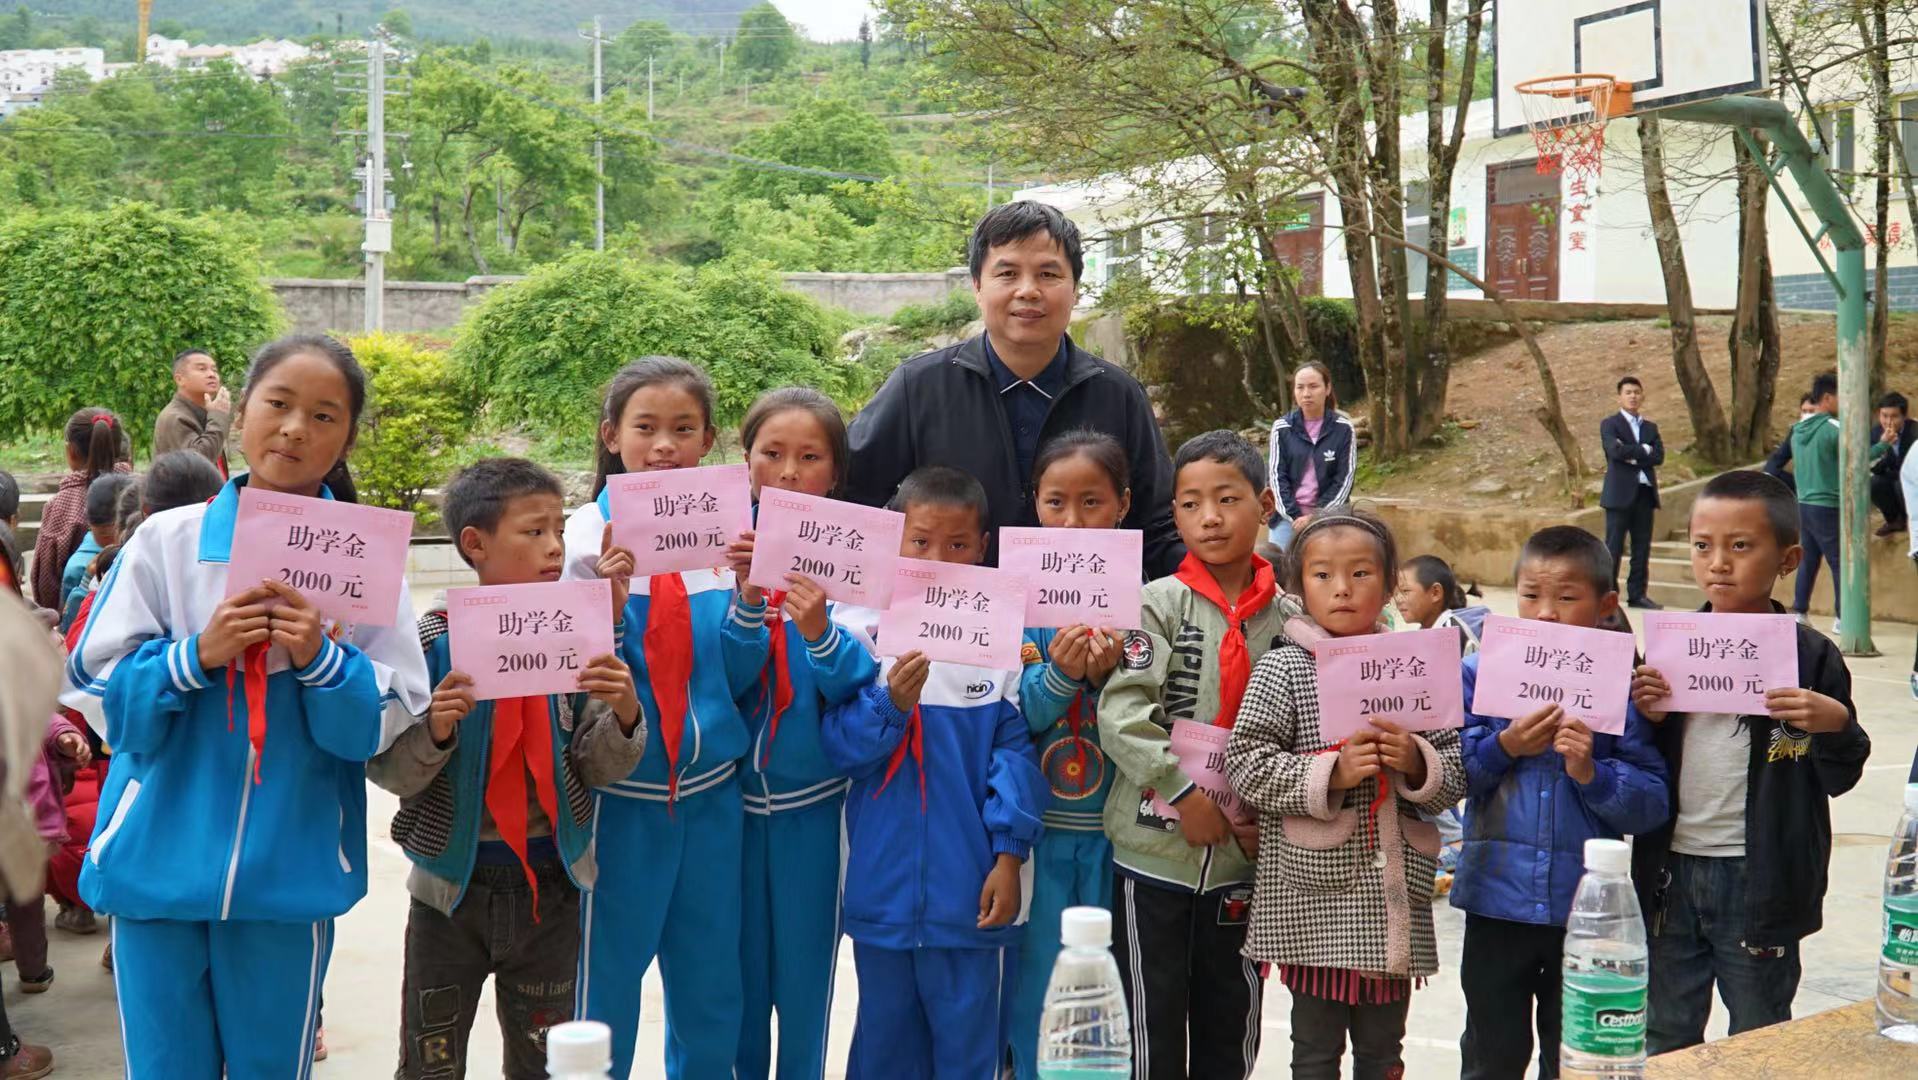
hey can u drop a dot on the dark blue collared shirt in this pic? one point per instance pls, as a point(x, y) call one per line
point(1027, 402)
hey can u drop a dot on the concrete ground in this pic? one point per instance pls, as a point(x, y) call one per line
point(77, 1017)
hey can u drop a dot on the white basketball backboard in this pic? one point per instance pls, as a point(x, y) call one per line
point(1671, 51)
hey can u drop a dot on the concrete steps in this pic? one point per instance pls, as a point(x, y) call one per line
point(1670, 575)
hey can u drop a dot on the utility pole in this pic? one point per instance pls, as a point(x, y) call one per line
point(722, 63)
point(649, 88)
point(379, 227)
point(599, 142)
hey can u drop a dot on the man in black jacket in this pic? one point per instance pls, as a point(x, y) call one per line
point(987, 404)
point(1633, 453)
point(1900, 431)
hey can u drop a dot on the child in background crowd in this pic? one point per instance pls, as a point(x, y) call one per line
point(11, 570)
point(103, 531)
point(1735, 876)
point(1539, 787)
point(1079, 482)
point(1428, 596)
point(795, 440)
point(933, 861)
point(495, 804)
point(96, 444)
point(1344, 900)
point(1183, 880)
point(223, 927)
point(669, 836)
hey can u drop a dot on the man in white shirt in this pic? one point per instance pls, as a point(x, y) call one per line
point(1633, 453)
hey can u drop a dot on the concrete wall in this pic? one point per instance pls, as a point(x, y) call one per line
point(320, 305)
point(1813, 292)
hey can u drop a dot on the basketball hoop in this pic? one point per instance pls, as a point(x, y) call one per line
point(1567, 115)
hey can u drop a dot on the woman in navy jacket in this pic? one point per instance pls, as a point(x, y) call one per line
point(1313, 454)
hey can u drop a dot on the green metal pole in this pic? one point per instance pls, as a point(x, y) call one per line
point(1853, 588)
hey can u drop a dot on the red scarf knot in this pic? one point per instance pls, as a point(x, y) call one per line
point(1235, 661)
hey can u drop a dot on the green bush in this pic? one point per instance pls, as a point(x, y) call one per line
point(94, 304)
point(1333, 328)
point(414, 425)
point(538, 352)
point(947, 315)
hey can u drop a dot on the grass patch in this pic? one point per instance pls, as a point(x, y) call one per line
point(34, 453)
point(946, 316)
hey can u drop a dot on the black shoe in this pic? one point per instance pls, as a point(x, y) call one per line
point(1645, 603)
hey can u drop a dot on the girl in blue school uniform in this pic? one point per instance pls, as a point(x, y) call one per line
point(232, 830)
point(795, 440)
point(669, 836)
point(1079, 482)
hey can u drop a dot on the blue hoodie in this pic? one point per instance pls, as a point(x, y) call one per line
point(729, 650)
point(1526, 821)
point(1078, 788)
point(184, 831)
point(789, 768)
point(915, 864)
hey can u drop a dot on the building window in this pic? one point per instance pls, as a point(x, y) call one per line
point(1418, 230)
point(1838, 143)
point(1124, 250)
point(1907, 170)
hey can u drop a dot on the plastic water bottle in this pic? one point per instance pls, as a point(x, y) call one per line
point(579, 1050)
point(1602, 1027)
point(1084, 1033)
point(1898, 962)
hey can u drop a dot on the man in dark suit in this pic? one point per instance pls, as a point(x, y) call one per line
point(1633, 453)
point(1897, 432)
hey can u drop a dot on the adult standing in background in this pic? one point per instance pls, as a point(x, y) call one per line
point(1312, 455)
point(200, 413)
point(1814, 455)
point(1779, 463)
point(1633, 453)
point(1897, 431)
point(987, 404)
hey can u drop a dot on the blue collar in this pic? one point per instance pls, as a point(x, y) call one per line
point(1051, 381)
point(216, 528)
point(605, 501)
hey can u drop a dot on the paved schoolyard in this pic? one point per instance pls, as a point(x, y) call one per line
point(362, 991)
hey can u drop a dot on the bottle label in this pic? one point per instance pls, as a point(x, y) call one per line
point(1901, 935)
point(1609, 1022)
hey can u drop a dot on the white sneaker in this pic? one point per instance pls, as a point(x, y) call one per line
point(1837, 627)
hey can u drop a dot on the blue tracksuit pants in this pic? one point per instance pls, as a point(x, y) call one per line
point(929, 1014)
point(199, 1000)
point(669, 888)
point(1070, 868)
point(789, 938)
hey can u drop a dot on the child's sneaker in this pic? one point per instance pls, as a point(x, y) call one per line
point(75, 919)
point(38, 984)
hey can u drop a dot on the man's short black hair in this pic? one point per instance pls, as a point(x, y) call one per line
point(1574, 545)
point(1629, 380)
point(942, 485)
point(1895, 400)
point(1823, 385)
point(1013, 222)
point(9, 496)
point(1750, 485)
point(478, 495)
point(180, 358)
point(1226, 448)
point(1807, 399)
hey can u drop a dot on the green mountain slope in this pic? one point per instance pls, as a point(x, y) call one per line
point(458, 20)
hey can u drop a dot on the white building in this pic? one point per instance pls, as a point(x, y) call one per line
point(29, 70)
point(262, 58)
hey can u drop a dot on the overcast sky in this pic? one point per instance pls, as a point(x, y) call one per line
point(825, 20)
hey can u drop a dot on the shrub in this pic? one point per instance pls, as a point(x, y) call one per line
point(94, 304)
point(414, 426)
point(539, 351)
point(947, 315)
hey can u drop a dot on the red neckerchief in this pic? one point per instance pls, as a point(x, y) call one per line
point(1235, 663)
point(1075, 719)
point(668, 646)
point(914, 740)
point(522, 743)
point(776, 682)
point(254, 678)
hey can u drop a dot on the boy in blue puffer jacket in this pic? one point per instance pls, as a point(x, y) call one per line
point(934, 861)
point(1537, 788)
point(500, 854)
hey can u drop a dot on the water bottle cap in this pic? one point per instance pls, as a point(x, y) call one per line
point(1086, 928)
point(1911, 798)
point(579, 1046)
point(1608, 856)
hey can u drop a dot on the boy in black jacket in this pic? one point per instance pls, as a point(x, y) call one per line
point(1733, 882)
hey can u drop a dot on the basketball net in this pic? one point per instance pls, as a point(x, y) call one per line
point(1567, 115)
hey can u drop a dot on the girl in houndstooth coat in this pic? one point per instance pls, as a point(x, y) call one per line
point(1343, 900)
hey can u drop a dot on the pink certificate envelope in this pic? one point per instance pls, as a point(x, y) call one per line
point(1410, 678)
point(1524, 666)
point(529, 640)
point(348, 560)
point(1200, 749)
point(1077, 577)
point(847, 549)
point(680, 519)
point(969, 615)
point(1721, 663)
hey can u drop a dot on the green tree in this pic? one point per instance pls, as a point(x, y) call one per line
point(412, 425)
point(232, 166)
point(93, 304)
point(634, 44)
point(766, 42)
point(16, 31)
point(398, 23)
point(831, 135)
point(865, 41)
